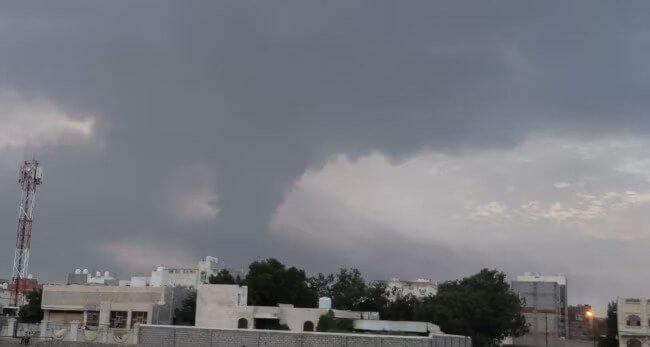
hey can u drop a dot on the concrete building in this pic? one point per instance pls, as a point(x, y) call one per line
point(112, 306)
point(419, 288)
point(225, 307)
point(545, 308)
point(188, 276)
point(581, 322)
point(633, 316)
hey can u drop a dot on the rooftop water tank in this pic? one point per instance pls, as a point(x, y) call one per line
point(5, 285)
point(77, 271)
point(85, 272)
point(107, 274)
point(325, 303)
point(98, 274)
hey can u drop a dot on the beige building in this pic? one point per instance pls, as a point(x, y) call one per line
point(224, 307)
point(96, 305)
point(633, 322)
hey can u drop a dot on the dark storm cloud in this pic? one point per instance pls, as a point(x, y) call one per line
point(260, 92)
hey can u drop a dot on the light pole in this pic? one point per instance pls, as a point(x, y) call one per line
point(590, 315)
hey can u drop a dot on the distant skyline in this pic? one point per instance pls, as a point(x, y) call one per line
point(406, 139)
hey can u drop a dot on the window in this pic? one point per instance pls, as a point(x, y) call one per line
point(138, 317)
point(242, 323)
point(633, 343)
point(92, 318)
point(308, 326)
point(633, 321)
point(578, 317)
point(118, 319)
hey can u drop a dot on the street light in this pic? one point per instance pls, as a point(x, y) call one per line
point(590, 315)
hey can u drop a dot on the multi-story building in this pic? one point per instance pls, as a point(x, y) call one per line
point(545, 308)
point(633, 316)
point(582, 323)
point(419, 288)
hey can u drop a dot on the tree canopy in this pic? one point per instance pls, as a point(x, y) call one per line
point(32, 312)
point(185, 314)
point(222, 277)
point(481, 306)
point(270, 283)
point(611, 335)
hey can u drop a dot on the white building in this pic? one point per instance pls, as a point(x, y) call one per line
point(225, 307)
point(419, 288)
point(188, 276)
point(93, 306)
point(633, 316)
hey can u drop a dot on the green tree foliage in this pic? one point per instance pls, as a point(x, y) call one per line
point(375, 298)
point(328, 323)
point(611, 335)
point(32, 312)
point(222, 277)
point(270, 283)
point(321, 284)
point(481, 306)
point(402, 308)
point(185, 314)
point(348, 289)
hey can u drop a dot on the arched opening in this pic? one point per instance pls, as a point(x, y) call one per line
point(308, 326)
point(242, 323)
point(633, 321)
point(633, 343)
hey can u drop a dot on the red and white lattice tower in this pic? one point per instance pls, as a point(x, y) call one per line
point(30, 176)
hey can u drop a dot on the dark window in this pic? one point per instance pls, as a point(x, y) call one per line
point(118, 319)
point(92, 318)
point(633, 321)
point(138, 317)
point(308, 326)
point(242, 324)
point(633, 343)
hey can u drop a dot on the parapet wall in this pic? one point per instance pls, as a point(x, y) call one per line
point(176, 336)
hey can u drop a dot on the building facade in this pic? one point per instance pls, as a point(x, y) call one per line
point(633, 318)
point(419, 288)
point(100, 305)
point(545, 308)
point(225, 307)
point(582, 323)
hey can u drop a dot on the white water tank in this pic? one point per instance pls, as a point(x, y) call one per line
point(85, 272)
point(107, 274)
point(30, 276)
point(325, 303)
point(98, 274)
point(77, 271)
point(5, 286)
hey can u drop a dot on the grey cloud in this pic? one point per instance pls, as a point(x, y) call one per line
point(263, 92)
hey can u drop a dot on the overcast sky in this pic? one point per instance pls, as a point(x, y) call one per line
point(408, 139)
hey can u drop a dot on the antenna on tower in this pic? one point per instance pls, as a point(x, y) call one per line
point(29, 176)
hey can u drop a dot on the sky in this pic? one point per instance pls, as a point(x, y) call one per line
point(407, 139)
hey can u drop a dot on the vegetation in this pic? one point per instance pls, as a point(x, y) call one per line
point(185, 314)
point(481, 306)
point(611, 335)
point(270, 283)
point(328, 323)
point(222, 277)
point(32, 312)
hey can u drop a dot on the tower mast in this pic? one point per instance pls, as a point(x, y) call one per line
point(29, 176)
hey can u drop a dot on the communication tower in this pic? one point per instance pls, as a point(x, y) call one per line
point(29, 176)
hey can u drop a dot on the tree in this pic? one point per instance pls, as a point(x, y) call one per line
point(185, 314)
point(271, 283)
point(348, 289)
point(327, 322)
point(222, 277)
point(321, 285)
point(375, 298)
point(32, 312)
point(481, 306)
point(611, 337)
point(402, 308)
